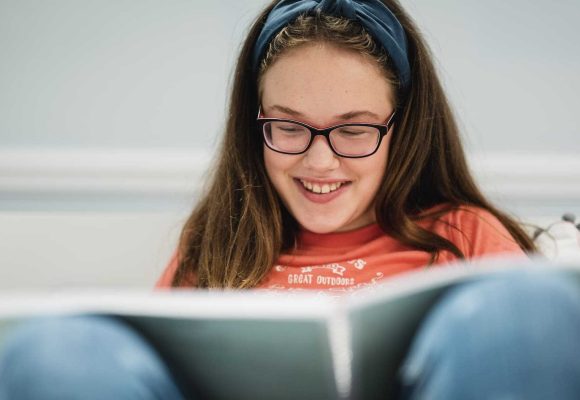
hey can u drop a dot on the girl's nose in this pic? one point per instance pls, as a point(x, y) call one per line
point(320, 156)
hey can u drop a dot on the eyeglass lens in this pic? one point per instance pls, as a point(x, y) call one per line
point(350, 140)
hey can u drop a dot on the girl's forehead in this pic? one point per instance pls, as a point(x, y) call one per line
point(324, 84)
point(323, 63)
point(327, 69)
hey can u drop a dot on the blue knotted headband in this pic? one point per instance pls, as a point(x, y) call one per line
point(373, 15)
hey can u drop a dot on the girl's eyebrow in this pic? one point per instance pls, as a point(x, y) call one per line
point(345, 116)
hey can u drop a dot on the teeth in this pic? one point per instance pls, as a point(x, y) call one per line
point(324, 188)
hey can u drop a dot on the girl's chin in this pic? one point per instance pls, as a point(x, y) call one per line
point(331, 224)
point(323, 227)
point(320, 231)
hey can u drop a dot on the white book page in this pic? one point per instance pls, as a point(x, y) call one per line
point(170, 303)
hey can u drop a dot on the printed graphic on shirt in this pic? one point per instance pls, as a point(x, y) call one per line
point(358, 263)
point(334, 267)
point(337, 277)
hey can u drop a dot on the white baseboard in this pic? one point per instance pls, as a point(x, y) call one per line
point(514, 179)
point(55, 250)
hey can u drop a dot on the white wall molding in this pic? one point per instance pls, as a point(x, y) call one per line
point(538, 178)
point(528, 176)
point(160, 172)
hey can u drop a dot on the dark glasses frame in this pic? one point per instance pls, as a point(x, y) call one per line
point(382, 128)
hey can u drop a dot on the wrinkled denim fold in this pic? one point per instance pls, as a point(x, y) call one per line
point(82, 357)
point(510, 336)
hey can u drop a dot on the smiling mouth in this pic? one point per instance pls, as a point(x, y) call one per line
point(324, 188)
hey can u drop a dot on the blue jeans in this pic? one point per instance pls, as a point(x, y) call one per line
point(509, 336)
point(82, 357)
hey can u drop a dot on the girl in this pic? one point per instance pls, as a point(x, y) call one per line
point(341, 165)
point(354, 157)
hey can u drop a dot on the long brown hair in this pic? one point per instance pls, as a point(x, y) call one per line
point(239, 227)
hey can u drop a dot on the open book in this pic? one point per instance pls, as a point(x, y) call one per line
point(263, 345)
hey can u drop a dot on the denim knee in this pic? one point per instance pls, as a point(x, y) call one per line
point(82, 357)
point(510, 336)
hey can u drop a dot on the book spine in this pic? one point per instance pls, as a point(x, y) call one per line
point(339, 337)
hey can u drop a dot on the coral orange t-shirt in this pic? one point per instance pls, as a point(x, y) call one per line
point(346, 261)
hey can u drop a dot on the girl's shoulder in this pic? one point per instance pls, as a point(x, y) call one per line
point(166, 279)
point(475, 230)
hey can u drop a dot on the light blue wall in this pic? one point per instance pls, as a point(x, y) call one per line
point(109, 73)
point(151, 74)
point(511, 69)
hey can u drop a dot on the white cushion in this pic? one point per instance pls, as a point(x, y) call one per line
point(560, 241)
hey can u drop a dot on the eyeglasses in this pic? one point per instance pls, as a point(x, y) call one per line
point(358, 140)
